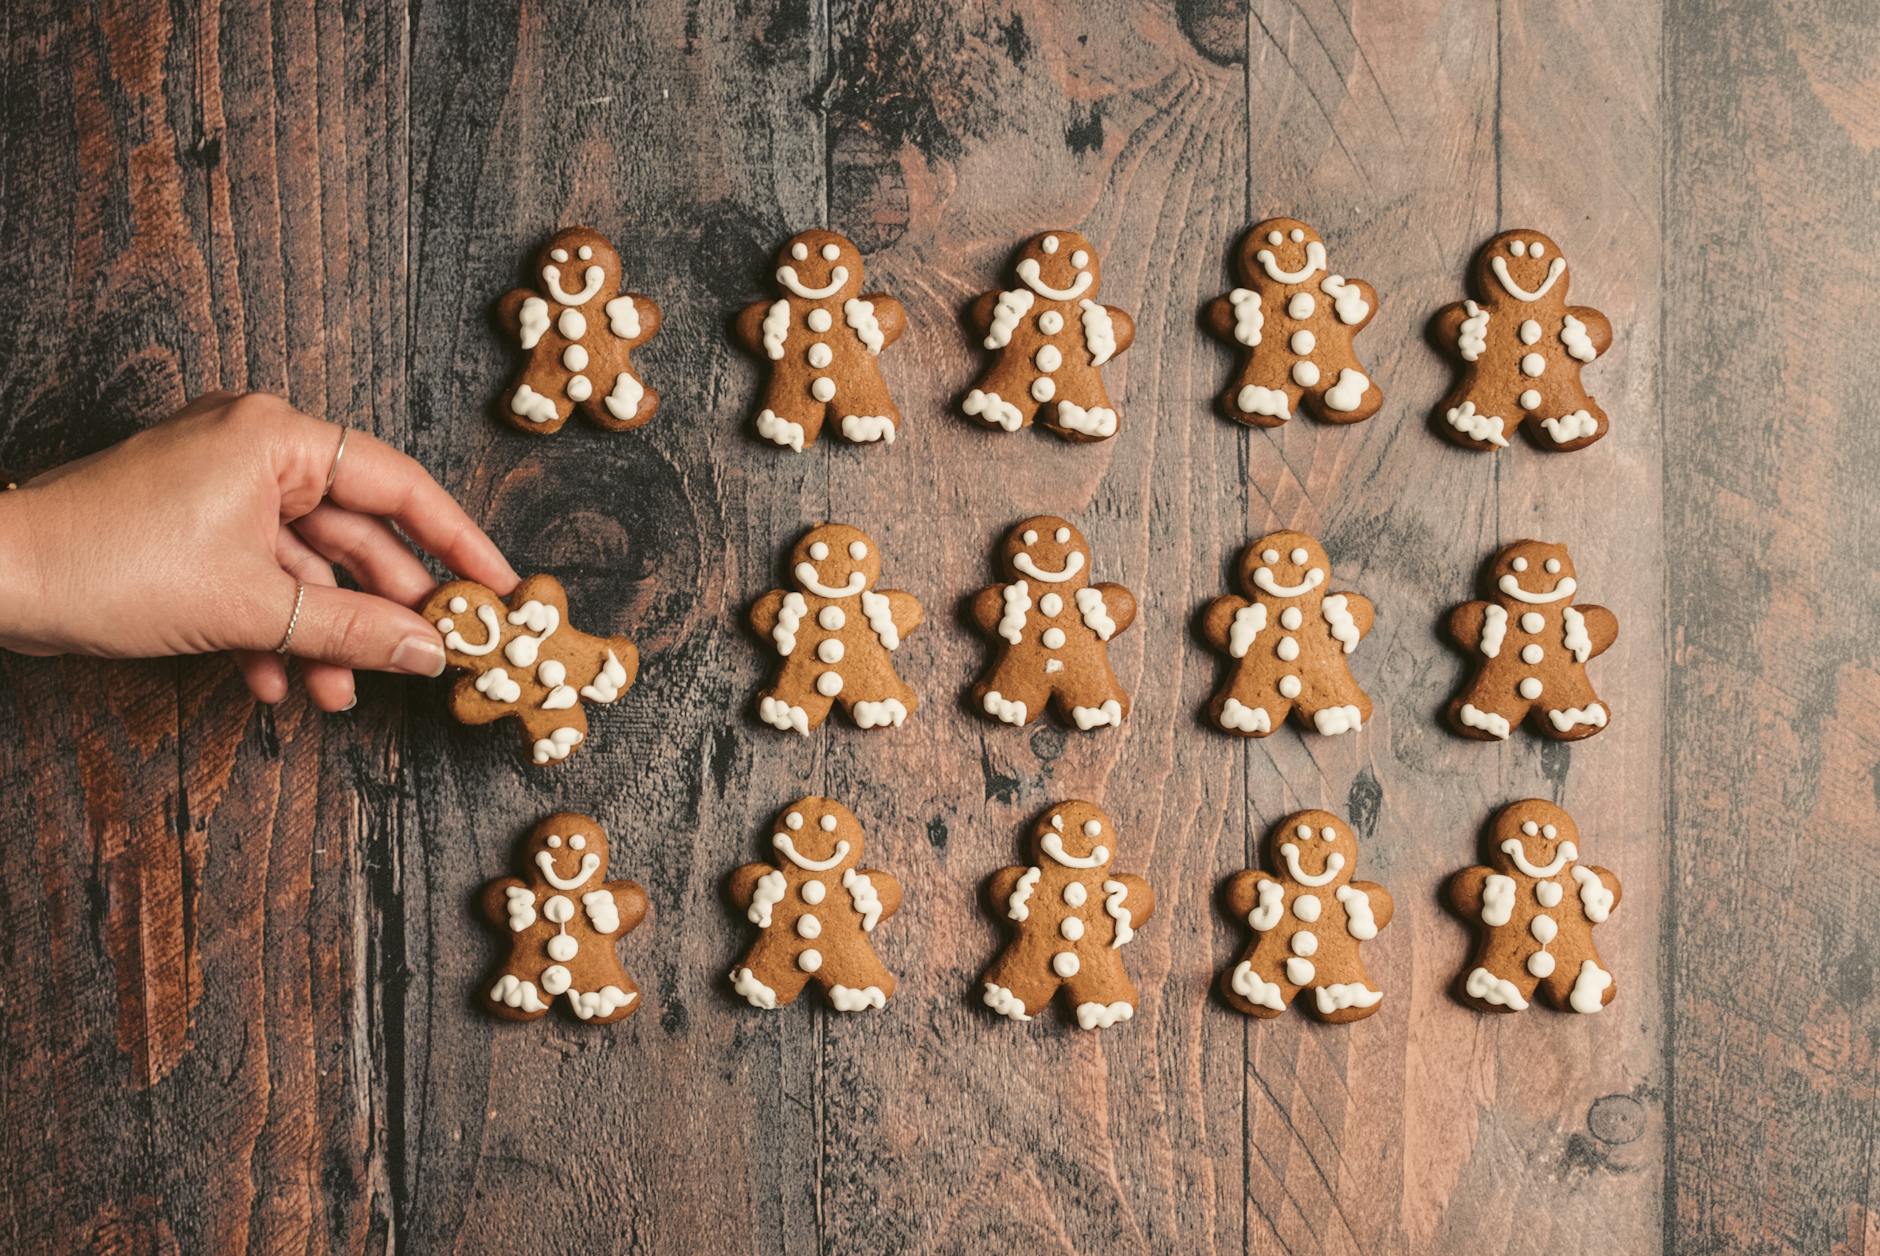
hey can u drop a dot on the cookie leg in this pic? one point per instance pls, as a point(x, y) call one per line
point(1100, 992)
point(867, 413)
point(1015, 989)
point(616, 1000)
point(1487, 713)
point(515, 995)
point(1089, 696)
point(794, 704)
point(790, 416)
point(1498, 983)
point(1081, 410)
point(627, 403)
point(1248, 706)
point(1343, 994)
point(881, 701)
point(1585, 987)
point(1476, 423)
point(1334, 704)
point(1566, 419)
point(1568, 710)
point(539, 403)
point(999, 400)
point(1261, 395)
point(1257, 985)
point(858, 982)
point(767, 979)
point(1344, 395)
point(1011, 696)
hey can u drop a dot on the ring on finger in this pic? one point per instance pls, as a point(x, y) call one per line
point(293, 620)
point(333, 471)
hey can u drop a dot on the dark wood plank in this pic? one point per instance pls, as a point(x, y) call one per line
point(1771, 625)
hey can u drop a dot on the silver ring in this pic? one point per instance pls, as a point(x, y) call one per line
point(333, 470)
point(293, 621)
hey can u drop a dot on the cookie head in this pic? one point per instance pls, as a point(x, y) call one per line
point(1523, 264)
point(470, 619)
point(1534, 573)
point(576, 266)
point(819, 265)
point(567, 852)
point(1534, 839)
point(1075, 835)
point(836, 561)
point(1285, 250)
point(816, 835)
point(1284, 565)
point(1315, 848)
point(1047, 549)
point(1058, 266)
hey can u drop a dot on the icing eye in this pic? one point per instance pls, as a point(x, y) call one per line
point(830, 252)
point(799, 250)
point(577, 842)
point(1519, 564)
point(1552, 565)
point(1057, 822)
point(1549, 832)
point(1537, 250)
point(793, 821)
point(1305, 831)
point(1269, 556)
point(1274, 237)
point(1299, 555)
point(1050, 244)
point(458, 606)
point(1062, 535)
point(1031, 536)
point(584, 252)
point(857, 551)
point(1329, 833)
point(554, 841)
point(1297, 235)
point(819, 551)
point(1080, 259)
point(560, 255)
point(1518, 247)
point(1093, 828)
point(1530, 828)
point(828, 824)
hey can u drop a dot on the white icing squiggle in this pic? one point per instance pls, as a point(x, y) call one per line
point(1340, 995)
point(540, 621)
point(780, 430)
point(1489, 722)
point(1248, 317)
point(1589, 988)
point(999, 708)
point(755, 992)
point(1494, 629)
point(623, 317)
point(532, 405)
point(1016, 903)
point(1099, 333)
point(1576, 638)
point(789, 619)
point(783, 716)
point(1096, 421)
point(1250, 986)
point(1485, 427)
point(860, 315)
point(863, 428)
point(1116, 893)
point(1249, 623)
point(1347, 299)
point(1489, 988)
point(1497, 899)
point(1254, 399)
point(848, 999)
point(556, 745)
point(1095, 614)
point(1266, 912)
point(607, 682)
point(520, 903)
point(1473, 338)
point(880, 616)
point(602, 911)
point(776, 329)
point(1087, 717)
point(496, 685)
point(1570, 427)
point(513, 992)
point(1102, 1016)
point(1348, 393)
point(1004, 1002)
point(1017, 604)
point(1595, 898)
point(1337, 612)
point(863, 897)
point(1359, 921)
point(1579, 344)
point(1515, 290)
point(1237, 718)
point(1334, 720)
point(991, 406)
point(1592, 713)
point(534, 321)
point(1012, 307)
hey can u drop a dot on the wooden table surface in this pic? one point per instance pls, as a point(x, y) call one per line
point(242, 969)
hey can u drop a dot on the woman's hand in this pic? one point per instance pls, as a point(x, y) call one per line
point(190, 536)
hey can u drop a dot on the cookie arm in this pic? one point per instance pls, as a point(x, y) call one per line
point(1611, 882)
point(748, 328)
point(1140, 900)
point(509, 311)
point(999, 888)
point(1382, 909)
point(630, 901)
point(1598, 327)
point(1464, 891)
point(742, 887)
point(1362, 613)
point(764, 612)
point(650, 318)
point(1370, 312)
point(1218, 620)
point(1447, 325)
point(1218, 317)
point(989, 607)
point(1465, 624)
point(495, 900)
point(1121, 605)
point(979, 313)
point(890, 316)
point(905, 610)
point(1123, 327)
point(1602, 627)
point(887, 889)
point(467, 706)
point(1240, 892)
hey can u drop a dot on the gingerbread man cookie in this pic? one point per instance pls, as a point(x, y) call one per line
point(822, 338)
point(1310, 919)
point(1536, 905)
point(563, 919)
point(1289, 639)
point(836, 636)
point(816, 910)
point(578, 332)
point(1049, 339)
point(1070, 915)
point(1297, 322)
point(525, 661)
point(1521, 348)
point(1053, 628)
point(1533, 644)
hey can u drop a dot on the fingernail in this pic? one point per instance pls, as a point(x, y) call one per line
point(349, 706)
point(419, 656)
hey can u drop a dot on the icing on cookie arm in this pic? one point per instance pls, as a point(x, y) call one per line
point(1381, 906)
point(1000, 887)
point(1464, 892)
point(509, 312)
point(887, 890)
point(988, 608)
point(1465, 624)
point(1602, 626)
point(764, 612)
point(742, 884)
point(1241, 892)
point(1217, 621)
point(630, 902)
point(1123, 328)
point(890, 316)
point(979, 314)
point(1368, 295)
point(1446, 327)
point(1219, 317)
point(495, 900)
point(905, 610)
point(1597, 327)
point(1611, 883)
point(648, 313)
point(1363, 614)
point(1140, 901)
point(748, 328)
point(1121, 605)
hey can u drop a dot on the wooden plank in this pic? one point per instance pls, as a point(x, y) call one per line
point(1771, 625)
point(683, 135)
point(181, 1070)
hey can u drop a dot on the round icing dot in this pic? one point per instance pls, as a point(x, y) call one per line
point(829, 684)
point(1071, 928)
point(572, 324)
point(1269, 556)
point(1300, 971)
point(1541, 964)
point(560, 255)
point(1050, 603)
point(1530, 400)
point(1329, 833)
point(1065, 964)
point(830, 651)
point(1296, 235)
point(1049, 244)
point(1075, 894)
point(1053, 638)
point(1274, 237)
point(1518, 247)
point(1031, 536)
point(1530, 332)
point(1548, 893)
point(813, 892)
point(819, 550)
point(1531, 653)
point(1290, 619)
point(579, 840)
point(1530, 828)
point(1043, 388)
point(830, 252)
point(1530, 688)
point(800, 251)
point(554, 841)
point(579, 388)
point(1552, 565)
point(1549, 832)
point(831, 617)
point(1287, 649)
point(819, 355)
point(1289, 686)
point(559, 908)
point(807, 926)
point(446, 624)
point(1303, 342)
point(1301, 305)
point(1305, 942)
point(1536, 249)
point(1532, 365)
point(1305, 831)
point(793, 821)
point(1519, 564)
point(584, 252)
point(823, 388)
point(458, 606)
point(1080, 259)
point(818, 320)
point(1061, 535)
point(575, 358)
point(810, 960)
point(1307, 907)
point(1093, 828)
point(1049, 358)
point(555, 979)
point(858, 550)
point(562, 948)
point(1050, 322)
point(1543, 928)
point(1299, 555)
point(1305, 374)
point(1531, 621)
point(827, 824)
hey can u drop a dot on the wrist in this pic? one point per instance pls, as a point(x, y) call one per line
point(23, 593)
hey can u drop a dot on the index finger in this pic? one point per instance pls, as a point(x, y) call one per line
point(376, 479)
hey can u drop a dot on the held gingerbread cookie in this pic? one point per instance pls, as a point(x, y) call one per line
point(578, 332)
point(1521, 348)
point(1310, 919)
point(836, 636)
point(822, 338)
point(816, 910)
point(1053, 628)
point(1297, 322)
point(1049, 339)
point(525, 661)
point(1536, 906)
point(563, 919)
point(1289, 640)
point(1532, 645)
point(1070, 916)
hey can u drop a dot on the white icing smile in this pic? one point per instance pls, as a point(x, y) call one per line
point(806, 576)
point(1028, 271)
point(546, 862)
point(1564, 854)
point(1263, 577)
point(1564, 587)
point(1053, 845)
point(1515, 290)
point(551, 275)
point(1073, 563)
point(786, 275)
point(1315, 262)
point(1334, 864)
point(787, 849)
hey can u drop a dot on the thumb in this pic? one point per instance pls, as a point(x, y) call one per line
point(358, 630)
